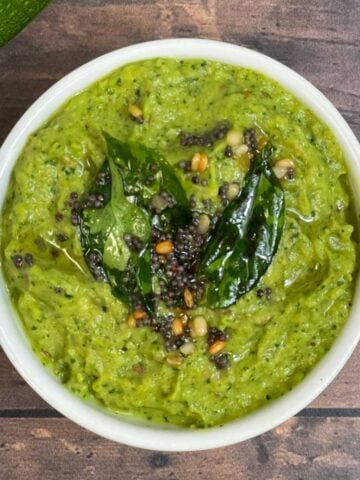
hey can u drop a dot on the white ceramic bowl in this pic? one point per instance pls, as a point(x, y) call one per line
point(138, 433)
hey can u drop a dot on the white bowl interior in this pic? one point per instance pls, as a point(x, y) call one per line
point(136, 432)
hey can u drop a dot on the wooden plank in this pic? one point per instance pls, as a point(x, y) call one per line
point(302, 448)
point(318, 39)
point(344, 392)
point(15, 393)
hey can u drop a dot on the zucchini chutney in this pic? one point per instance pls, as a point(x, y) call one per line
point(178, 241)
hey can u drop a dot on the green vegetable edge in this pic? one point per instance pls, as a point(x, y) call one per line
point(16, 14)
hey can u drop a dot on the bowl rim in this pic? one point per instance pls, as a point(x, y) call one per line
point(133, 432)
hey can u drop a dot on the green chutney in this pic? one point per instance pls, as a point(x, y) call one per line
point(79, 330)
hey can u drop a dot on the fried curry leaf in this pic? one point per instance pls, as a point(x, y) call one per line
point(137, 162)
point(247, 236)
point(109, 224)
point(144, 277)
point(102, 233)
point(123, 176)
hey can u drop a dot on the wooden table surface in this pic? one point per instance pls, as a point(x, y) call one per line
point(320, 40)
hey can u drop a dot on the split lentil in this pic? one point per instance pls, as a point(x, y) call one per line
point(177, 326)
point(283, 168)
point(204, 224)
point(174, 360)
point(234, 138)
point(240, 150)
point(136, 113)
point(216, 347)
point(188, 298)
point(199, 326)
point(199, 162)
point(187, 348)
point(165, 247)
point(232, 191)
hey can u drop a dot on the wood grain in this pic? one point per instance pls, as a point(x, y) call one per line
point(302, 448)
point(320, 40)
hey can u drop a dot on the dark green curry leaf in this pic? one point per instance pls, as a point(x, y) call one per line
point(144, 277)
point(175, 217)
point(136, 278)
point(118, 217)
point(247, 236)
point(123, 283)
point(137, 162)
point(123, 176)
